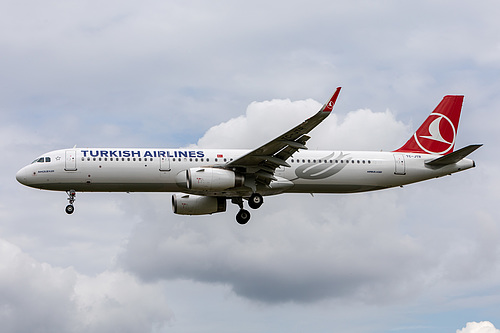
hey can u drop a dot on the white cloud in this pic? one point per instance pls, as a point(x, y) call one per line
point(481, 327)
point(38, 297)
point(359, 130)
point(261, 123)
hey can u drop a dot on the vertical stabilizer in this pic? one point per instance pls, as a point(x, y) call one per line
point(438, 133)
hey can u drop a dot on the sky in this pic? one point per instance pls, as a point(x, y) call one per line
point(235, 74)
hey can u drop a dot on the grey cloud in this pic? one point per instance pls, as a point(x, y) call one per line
point(373, 248)
point(298, 253)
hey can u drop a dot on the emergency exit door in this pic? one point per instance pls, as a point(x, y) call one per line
point(400, 167)
point(70, 164)
point(164, 163)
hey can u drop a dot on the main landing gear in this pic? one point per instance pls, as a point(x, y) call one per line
point(71, 198)
point(255, 201)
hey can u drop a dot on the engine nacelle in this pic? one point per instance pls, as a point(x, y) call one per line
point(212, 179)
point(188, 204)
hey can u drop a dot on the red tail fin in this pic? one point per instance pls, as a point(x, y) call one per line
point(438, 132)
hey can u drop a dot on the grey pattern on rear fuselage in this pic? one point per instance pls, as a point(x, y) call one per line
point(323, 170)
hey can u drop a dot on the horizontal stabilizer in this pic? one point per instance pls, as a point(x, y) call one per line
point(454, 157)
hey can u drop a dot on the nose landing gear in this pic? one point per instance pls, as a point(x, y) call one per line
point(71, 198)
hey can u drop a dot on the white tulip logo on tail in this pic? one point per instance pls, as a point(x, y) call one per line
point(441, 135)
point(438, 132)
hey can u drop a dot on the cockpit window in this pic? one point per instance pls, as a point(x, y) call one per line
point(41, 160)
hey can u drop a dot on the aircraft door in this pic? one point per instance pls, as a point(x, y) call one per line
point(70, 161)
point(164, 163)
point(400, 167)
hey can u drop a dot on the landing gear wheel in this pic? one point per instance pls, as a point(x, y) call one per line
point(255, 201)
point(71, 199)
point(243, 216)
point(70, 209)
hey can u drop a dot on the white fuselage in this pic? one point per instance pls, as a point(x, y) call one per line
point(164, 170)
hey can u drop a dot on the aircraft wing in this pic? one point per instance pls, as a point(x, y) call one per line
point(262, 162)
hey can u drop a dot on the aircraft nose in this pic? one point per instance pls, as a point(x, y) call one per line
point(21, 176)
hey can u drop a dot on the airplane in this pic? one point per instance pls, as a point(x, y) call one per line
point(205, 179)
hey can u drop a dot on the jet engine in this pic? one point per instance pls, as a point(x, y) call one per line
point(212, 179)
point(188, 204)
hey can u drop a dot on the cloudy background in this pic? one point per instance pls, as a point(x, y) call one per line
point(424, 258)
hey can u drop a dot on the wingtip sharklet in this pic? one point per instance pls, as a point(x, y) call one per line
point(328, 107)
